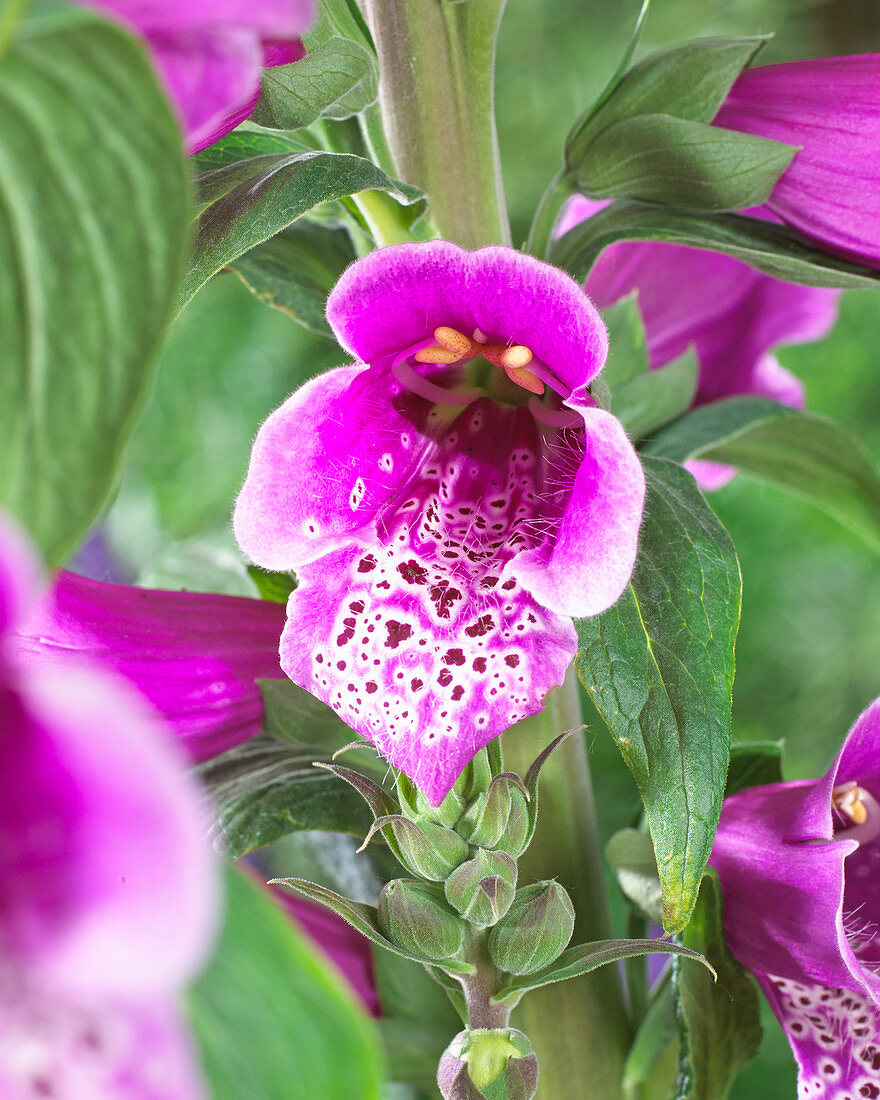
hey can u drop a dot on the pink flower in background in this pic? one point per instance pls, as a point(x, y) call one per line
point(107, 883)
point(194, 656)
point(211, 53)
point(830, 108)
point(799, 865)
point(448, 503)
point(732, 314)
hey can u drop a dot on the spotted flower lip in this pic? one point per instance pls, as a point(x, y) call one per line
point(107, 883)
point(211, 52)
point(445, 520)
point(830, 108)
point(799, 865)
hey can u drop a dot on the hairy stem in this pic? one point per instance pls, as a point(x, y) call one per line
point(436, 70)
point(579, 1028)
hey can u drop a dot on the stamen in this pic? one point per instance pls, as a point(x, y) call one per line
point(859, 810)
point(846, 798)
point(525, 378)
point(480, 336)
point(453, 340)
point(436, 354)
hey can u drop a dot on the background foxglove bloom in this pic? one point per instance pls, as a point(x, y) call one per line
point(211, 53)
point(830, 107)
point(732, 314)
point(107, 883)
point(194, 656)
point(799, 865)
point(448, 503)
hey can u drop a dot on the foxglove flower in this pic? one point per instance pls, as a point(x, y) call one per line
point(194, 656)
point(448, 502)
point(830, 108)
point(211, 52)
point(107, 891)
point(730, 313)
point(799, 865)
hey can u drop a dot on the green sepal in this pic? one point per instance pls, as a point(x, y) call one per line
point(377, 798)
point(427, 850)
point(363, 918)
point(482, 889)
point(496, 818)
point(415, 916)
point(627, 347)
point(648, 401)
point(535, 930)
point(273, 587)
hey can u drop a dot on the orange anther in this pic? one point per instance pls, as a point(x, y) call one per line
point(522, 376)
point(436, 354)
point(847, 799)
point(515, 357)
point(453, 340)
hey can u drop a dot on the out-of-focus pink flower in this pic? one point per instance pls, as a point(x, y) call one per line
point(211, 53)
point(733, 316)
point(107, 883)
point(193, 655)
point(830, 108)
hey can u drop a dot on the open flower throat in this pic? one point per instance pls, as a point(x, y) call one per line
point(448, 503)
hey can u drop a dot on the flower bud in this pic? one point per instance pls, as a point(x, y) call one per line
point(480, 1064)
point(415, 916)
point(425, 849)
point(483, 888)
point(535, 930)
point(499, 817)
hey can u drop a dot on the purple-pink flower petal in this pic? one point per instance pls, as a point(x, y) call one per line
point(194, 656)
point(830, 108)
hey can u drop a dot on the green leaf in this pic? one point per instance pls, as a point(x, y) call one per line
point(589, 956)
point(274, 587)
point(627, 350)
point(810, 455)
point(336, 80)
point(622, 66)
point(252, 185)
point(659, 667)
point(272, 1019)
point(361, 917)
point(268, 787)
point(631, 855)
point(295, 270)
point(753, 764)
point(657, 1032)
point(774, 249)
point(94, 210)
point(719, 1021)
point(659, 158)
point(653, 398)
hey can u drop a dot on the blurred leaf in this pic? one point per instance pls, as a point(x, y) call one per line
point(272, 1019)
point(253, 184)
point(659, 667)
point(622, 66)
point(295, 270)
point(810, 455)
point(94, 210)
point(627, 353)
point(275, 587)
point(720, 1021)
point(336, 80)
point(677, 162)
point(631, 855)
point(656, 397)
point(657, 1032)
point(771, 248)
point(753, 764)
point(268, 787)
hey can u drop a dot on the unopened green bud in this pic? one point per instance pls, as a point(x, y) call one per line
point(535, 930)
point(415, 916)
point(424, 848)
point(483, 888)
point(488, 1065)
point(518, 830)
point(488, 820)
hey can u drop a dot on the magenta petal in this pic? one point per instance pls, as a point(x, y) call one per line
point(19, 576)
point(194, 656)
point(395, 297)
point(421, 660)
point(87, 1048)
point(132, 910)
point(265, 18)
point(834, 1034)
point(830, 108)
point(710, 475)
point(584, 569)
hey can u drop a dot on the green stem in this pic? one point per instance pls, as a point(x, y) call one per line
point(436, 70)
point(579, 1028)
point(558, 191)
point(10, 11)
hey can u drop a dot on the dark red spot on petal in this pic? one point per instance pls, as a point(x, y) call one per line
point(396, 633)
point(453, 657)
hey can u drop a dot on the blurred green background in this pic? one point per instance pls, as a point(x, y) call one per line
point(809, 647)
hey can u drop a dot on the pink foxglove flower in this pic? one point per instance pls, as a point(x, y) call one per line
point(449, 502)
point(830, 108)
point(733, 315)
point(799, 865)
point(194, 656)
point(107, 883)
point(211, 53)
